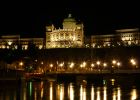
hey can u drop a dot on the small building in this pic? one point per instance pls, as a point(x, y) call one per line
point(14, 41)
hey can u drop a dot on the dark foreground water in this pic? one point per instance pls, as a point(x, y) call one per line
point(103, 89)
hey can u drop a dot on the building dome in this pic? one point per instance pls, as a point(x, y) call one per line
point(69, 19)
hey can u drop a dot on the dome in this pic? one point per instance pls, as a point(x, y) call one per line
point(69, 19)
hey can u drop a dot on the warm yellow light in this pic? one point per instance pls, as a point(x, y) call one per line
point(118, 64)
point(133, 94)
point(81, 65)
point(114, 61)
point(21, 63)
point(98, 62)
point(61, 64)
point(71, 65)
point(133, 62)
point(51, 65)
point(92, 65)
point(9, 42)
point(42, 63)
point(84, 64)
point(104, 64)
point(112, 81)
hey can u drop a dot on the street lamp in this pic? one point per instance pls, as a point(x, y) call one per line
point(71, 65)
point(92, 65)
point(104, 64)
point(21, 64)
point(118, 64)
point(114, 62)
point(51, 65)
point(133, 62)
point(84, 64)
point(98, 63)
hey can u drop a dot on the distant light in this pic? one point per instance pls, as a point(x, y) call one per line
point(98, 62)
point(133, 61)
point(92, 65)
point(51, 65)
point(104, 64)
point(9, 42)
point(21, 63)
point(71, 65)
point(118, 64)
point(114, 61)
point(42, 63)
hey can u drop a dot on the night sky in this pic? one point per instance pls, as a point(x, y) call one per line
point(98, 17)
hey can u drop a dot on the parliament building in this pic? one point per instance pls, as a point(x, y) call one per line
point(71, 35)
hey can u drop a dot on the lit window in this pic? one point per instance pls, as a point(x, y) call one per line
point(9, 42)
point(78, 27)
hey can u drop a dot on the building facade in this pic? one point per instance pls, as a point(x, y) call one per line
point(70, 36)
point(16, 41)
point(122, 37)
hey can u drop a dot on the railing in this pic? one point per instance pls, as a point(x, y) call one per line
point(93, 71)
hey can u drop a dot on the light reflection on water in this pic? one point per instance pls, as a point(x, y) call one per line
point(134, 94)
point(46, 90)
point(71, 91)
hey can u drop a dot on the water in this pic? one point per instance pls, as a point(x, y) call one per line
point(105, 89)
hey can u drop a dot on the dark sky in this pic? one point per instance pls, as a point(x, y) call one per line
point(98, 17)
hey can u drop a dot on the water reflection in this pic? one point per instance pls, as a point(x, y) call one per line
point(92, 93)
point(46, 90)
point(118, 93)
point(71, 91)
point(98, 93)
point(82, 92)
point(51, 90)
point(105, 93)
point(134, 94)
point(60, 92)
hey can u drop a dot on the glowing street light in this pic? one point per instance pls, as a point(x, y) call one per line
point(51, 65)
point(114, 61)
point(42, 63)
point(98, 63)
point(118, 64)
point(133, 62)
point(104, 64)
point(21, 63)
point(71, 65)
point(61, 64)
point(84, 64)
point(81, 65)
point(92, 65)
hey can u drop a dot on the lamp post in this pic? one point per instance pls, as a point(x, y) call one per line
point(112, 67)
point(98, 63)
point(133, 62)
point(21, 64)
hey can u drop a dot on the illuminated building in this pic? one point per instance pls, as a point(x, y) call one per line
point(37, 42)
point(71, 35)
point(9, 41)
point(14, 41)
point(122, 37)
point(129, 36)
